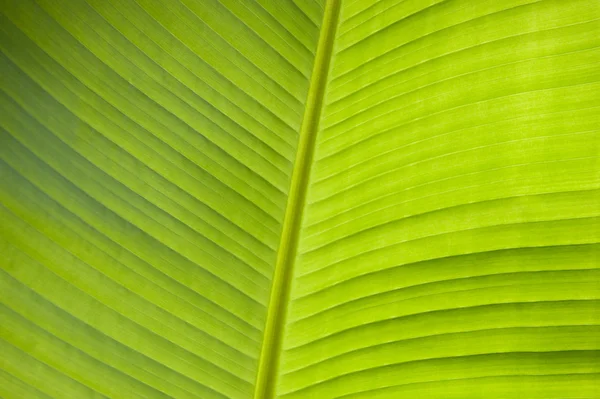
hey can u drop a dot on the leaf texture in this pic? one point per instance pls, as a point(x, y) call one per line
point(450, 242)
point(300, 199)
point(146, 149)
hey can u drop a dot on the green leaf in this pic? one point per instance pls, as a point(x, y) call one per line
point(300, 199)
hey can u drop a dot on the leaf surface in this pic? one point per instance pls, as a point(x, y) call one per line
point(299, 199)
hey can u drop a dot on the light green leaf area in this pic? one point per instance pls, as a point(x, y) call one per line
point(300, 199)
point(449, 244)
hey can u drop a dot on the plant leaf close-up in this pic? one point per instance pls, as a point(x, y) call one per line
point(256, 199)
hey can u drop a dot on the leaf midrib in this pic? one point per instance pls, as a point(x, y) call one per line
point(286, 253)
